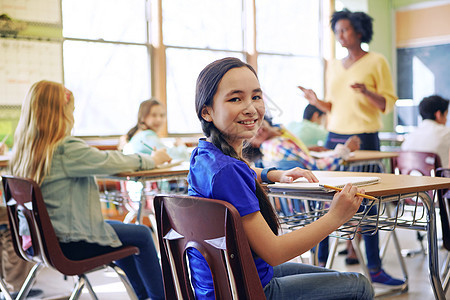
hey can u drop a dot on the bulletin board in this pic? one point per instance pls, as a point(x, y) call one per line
point(36, 11)
point(24, 62)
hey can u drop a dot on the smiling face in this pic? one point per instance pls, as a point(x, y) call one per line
point(346, 34)
point(155, 118)
point(238, 107)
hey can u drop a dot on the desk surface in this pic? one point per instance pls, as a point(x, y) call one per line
point(180, 170)
point(4, 159)
point(391, 184)
point(364, 155)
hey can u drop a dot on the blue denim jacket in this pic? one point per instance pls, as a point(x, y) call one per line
point(71, 192)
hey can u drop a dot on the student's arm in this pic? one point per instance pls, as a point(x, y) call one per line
point(279, 249)
point(79, 159)
point(286, 176)
point(311, 96)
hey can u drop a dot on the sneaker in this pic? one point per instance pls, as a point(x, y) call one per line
point(381, 277)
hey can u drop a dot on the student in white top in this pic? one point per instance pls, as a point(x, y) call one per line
point(431, 135)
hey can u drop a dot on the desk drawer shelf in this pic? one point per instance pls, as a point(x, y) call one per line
point(387, 214)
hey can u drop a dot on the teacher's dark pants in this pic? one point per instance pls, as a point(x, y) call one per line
point(369, 141)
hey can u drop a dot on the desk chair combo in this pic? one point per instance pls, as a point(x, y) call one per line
point(24, 195)
point(215, 229)
point(419, 164)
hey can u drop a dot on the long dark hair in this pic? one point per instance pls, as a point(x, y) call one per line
point(207, 84)
point(144, 109)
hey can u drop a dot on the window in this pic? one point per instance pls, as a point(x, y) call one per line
point(288, 43)
point(106, 63)
point(196, 33)
point(108, 56)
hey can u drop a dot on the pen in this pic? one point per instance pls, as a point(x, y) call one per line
point(339, 189)
point(148, 146)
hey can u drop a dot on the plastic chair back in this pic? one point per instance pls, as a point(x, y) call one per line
point(25, 195)
point(215, 229)
point(411, 162)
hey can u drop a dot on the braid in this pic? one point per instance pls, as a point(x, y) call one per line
point(265, 206)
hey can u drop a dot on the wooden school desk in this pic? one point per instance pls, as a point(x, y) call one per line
point(176, 172)
point(390, 189)
point(4, 159)
point(363, 158)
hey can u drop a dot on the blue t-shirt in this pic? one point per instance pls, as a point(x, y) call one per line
point(215, 175)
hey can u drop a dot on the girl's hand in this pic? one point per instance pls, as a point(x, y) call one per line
point(179, 142)
point(160, 156)
point(309, 95)
point(292, 174)
point(345, 203)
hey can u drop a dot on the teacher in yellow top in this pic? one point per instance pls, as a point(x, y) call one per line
point(358, 88)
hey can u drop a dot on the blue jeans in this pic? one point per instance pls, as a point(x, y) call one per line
point(300, 281)
point(143, 270)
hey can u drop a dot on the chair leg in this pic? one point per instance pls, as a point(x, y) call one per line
point(78, 287)
point(26, 286)
point(4, 289)
point(446, 273)
point(123, 277)
point(90, 289)
point(332, 254)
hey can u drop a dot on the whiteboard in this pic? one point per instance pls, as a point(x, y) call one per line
point(38, 11)
point(25, 62)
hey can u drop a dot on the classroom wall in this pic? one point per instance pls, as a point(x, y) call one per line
point(37, 30)
point(385, 38)
point(423, 26)
point(381, 12)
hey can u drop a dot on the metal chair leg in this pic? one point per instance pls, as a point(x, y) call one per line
point(446, 273)
point(4, 289)
point(78, 288)
point(28, 283)
point(125, 281)
point(90, 289)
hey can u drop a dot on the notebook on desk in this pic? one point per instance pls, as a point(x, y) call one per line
point(340, 182)
point(173, 163)
point(327, 153)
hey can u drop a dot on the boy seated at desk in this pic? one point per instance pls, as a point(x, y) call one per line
point(431, 135)
point(310, 130)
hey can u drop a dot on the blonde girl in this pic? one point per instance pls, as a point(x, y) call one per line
point(64, 167)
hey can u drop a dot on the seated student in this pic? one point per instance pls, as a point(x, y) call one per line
point(230, 108)
point(64, 167)
point(431, 135)
point(143, 137)
point(283, 151)
point(310, 130)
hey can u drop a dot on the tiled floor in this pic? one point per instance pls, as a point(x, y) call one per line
point(108, 286)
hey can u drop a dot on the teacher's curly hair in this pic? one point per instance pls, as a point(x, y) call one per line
point(361, 22)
